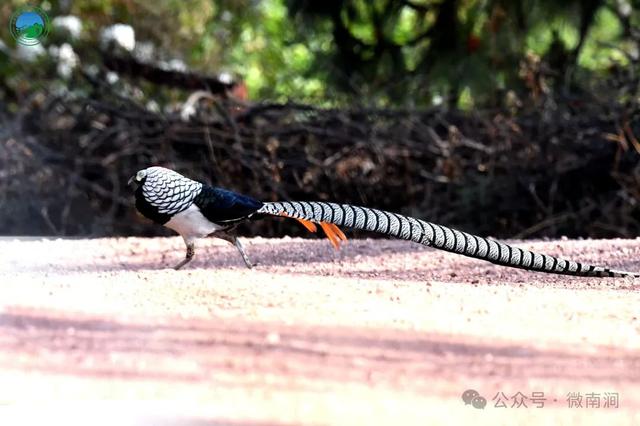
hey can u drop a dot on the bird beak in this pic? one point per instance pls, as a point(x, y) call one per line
point(131, 180)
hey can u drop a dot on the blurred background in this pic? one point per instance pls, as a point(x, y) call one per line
point(502, 118)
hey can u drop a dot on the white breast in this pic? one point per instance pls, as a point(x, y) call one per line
point(190, 223)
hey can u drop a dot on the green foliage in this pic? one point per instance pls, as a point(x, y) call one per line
point(384, 52)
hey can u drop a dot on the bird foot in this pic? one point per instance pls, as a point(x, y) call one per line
point(236, 242)
point(188, 258)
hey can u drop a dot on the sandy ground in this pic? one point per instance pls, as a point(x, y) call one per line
point(382, 332)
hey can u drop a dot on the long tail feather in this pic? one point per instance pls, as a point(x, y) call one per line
point(430, 234)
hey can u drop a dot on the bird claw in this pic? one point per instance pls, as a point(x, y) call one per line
point(243, 254)
point(188, 258)
point(181, 264)
point(236, 242)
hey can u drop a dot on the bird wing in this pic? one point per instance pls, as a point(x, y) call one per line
point(223, 206)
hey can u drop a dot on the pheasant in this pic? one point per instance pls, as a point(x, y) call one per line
point(195, 210)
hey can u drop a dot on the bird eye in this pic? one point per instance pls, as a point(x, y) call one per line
point(140, 175)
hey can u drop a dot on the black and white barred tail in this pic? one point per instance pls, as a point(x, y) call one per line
point(438, 236)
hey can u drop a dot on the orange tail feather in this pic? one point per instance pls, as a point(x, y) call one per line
point(333, 233)
point(311, 227)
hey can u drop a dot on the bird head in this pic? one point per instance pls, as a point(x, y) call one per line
point(138, 178)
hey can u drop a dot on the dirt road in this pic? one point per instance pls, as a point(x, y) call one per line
point(382, 332)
